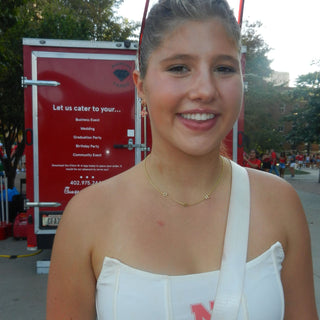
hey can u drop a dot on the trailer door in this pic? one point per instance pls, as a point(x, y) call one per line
point(84, 126)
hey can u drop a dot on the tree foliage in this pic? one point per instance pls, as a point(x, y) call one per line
point(75, 19)
point(11, 95)
point(262, 97)
point(55, 19)
point(257, 62)
point(261, 103)
point(305, 117)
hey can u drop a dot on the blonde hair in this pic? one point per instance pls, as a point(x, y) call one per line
point(166, 15)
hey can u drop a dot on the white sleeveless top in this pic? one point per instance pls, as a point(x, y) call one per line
point(126, 293)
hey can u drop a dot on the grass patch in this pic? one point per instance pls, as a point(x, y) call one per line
point(296, 172)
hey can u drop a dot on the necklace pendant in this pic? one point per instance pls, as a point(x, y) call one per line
point(184, 204)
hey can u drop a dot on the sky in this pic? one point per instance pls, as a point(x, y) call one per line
point(290, 29)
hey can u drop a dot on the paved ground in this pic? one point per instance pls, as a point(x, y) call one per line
point(23, 291)
point(308, 188)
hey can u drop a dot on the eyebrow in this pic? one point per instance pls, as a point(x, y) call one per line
point(177, 57)
point(223, 57)
point(226, 57)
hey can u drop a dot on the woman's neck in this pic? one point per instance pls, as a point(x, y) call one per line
point(184, 177)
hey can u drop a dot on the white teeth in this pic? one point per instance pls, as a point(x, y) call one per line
point(198, 116)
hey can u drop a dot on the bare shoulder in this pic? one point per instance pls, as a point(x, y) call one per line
point(92, 213)
point(285, 218)
point(276, 185)
point(85, 221)
point(276, 193)
point(276, 210)
point(99, 199)
point(279, 200)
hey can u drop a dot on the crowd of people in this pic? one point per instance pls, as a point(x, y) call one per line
point(270, 161)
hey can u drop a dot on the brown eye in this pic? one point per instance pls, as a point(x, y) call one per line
point(225, 69)
point(178, 69)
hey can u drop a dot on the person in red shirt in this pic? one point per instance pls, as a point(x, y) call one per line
point(1, 151)
point(274, 163)
point(266, 161)
point(282, 163)
point(300, 159)
point(252, 161)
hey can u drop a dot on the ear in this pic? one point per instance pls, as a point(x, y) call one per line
point(138, 83)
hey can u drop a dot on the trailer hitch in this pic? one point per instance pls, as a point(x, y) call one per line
point(130, 146)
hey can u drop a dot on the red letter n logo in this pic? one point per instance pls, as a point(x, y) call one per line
point(200, 312)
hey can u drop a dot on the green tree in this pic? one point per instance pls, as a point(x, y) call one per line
point(103, 23)
point(55, 19)
point(76, 19)
point(262, 97)
point(261, 103)
point(11, 95)
point(257, 61)
point(305, 117)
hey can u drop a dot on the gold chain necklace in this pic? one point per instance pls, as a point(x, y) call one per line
point(185, 204)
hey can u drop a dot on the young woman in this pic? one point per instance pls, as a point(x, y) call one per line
point(149, 243)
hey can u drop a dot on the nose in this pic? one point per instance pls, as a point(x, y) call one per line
point(203, 86)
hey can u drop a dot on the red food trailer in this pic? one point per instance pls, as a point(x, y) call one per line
point(83, 124)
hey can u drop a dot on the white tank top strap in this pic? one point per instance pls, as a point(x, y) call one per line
point(233, 265)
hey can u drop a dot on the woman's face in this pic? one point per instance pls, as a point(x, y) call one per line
point(193, 88)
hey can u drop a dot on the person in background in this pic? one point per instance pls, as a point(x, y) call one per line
point(299, 159)
point(282, 163)
point(266, 161)
point(1, 150)
point(2, 156)
point(313, 161)
point(155, 242)
point(307, 160)
point(252, 161)
point(273, 167)
point(1, 169)
point(292, 164)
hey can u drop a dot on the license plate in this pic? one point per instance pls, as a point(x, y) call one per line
point(51, 220)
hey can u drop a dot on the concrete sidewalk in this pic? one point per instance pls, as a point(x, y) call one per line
point(308, 189)
point(23, 291)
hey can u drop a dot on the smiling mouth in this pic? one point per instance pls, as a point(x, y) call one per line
point(198, 116)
